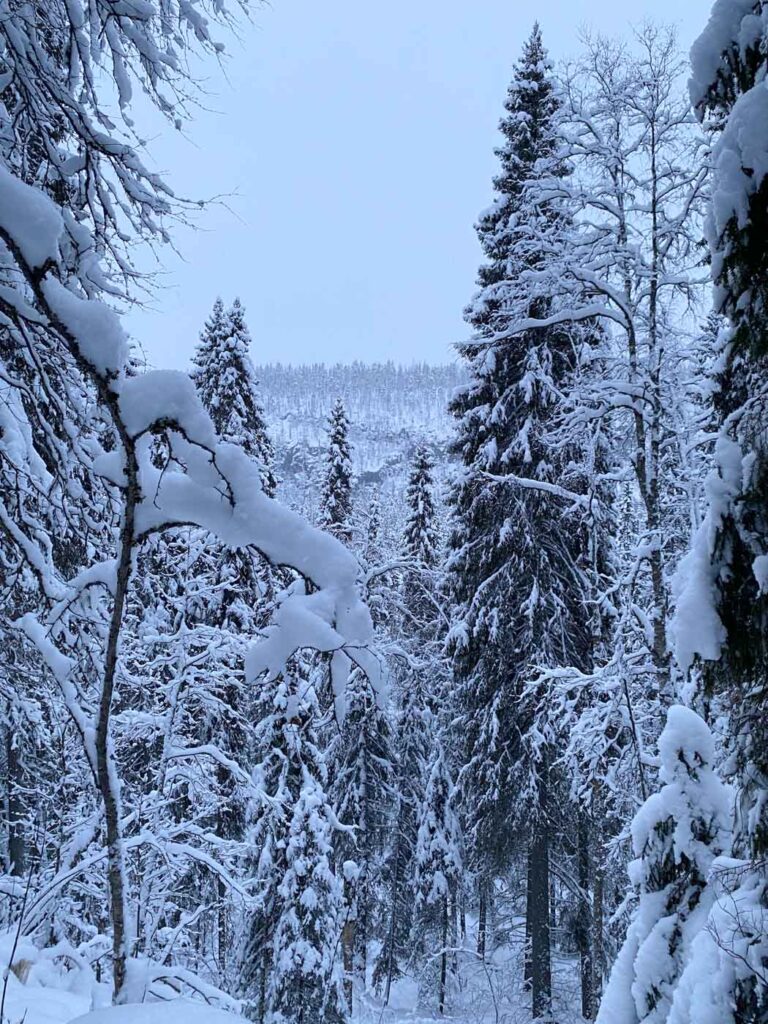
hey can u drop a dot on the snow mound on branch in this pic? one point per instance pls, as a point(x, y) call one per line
point(730, 20)
point(174, 1011)
point(95, 328)
point(729, 951)
point(696, 625)
point(685, 743)
point(30, 218)
point(165, 395)
point(677, 835)
point(686, 751)
point(34, 225)
point(740, 160)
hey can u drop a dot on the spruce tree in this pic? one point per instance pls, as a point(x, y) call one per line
point(733, 89)
point(676, 835)
point(290, 971)
point(515, 545)
point(226, 382)
point(239, 588)
point(438, 874)
point(722, 607)
point(362, 794)
point(420, 538)
point(412, 748)
point(336, 507)
point(418, 681)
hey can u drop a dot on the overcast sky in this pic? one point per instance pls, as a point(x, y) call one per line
point(356, 141)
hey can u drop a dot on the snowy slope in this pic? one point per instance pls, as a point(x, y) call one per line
point(391, 409)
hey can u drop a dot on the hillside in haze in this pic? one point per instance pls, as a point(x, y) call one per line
point(391, 409)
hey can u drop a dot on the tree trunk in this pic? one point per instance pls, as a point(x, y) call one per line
point(482, 919)
point(348, 945)
point(222, 925)
point(584, 927)
point(17, 855)
point(360, 965)
point(538, 882)
point(105, 767)
point(598, 954)
point(527, 961)
point(443, 958)
point(454, 934)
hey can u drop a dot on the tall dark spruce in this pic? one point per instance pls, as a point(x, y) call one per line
point(514, 563)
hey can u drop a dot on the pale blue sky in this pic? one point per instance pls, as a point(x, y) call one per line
point(358, 140)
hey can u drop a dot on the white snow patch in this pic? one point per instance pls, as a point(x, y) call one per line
point(760, 569)
point(174, 1011)
point(696, 626)
point(30, 218)
point(168, 395)
point(95, 328)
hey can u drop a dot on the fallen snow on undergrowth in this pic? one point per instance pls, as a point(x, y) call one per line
point(482, 993)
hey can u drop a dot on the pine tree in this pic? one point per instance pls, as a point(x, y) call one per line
point(226, 382)
point(361, 793)
point(420, 536)
point(676, 835)
point(438, 873)
point(336, 508)
point(305, 982)
point(516, 545)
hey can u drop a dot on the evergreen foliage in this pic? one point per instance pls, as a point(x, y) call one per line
point(226, 382)
point(362, 793)
point(420, 539)
point(676, 835)
point(515, 547)
point(437, 876)
point(336, 507)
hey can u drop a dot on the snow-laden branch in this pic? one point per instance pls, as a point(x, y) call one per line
point(211, 484)
point(556, 490)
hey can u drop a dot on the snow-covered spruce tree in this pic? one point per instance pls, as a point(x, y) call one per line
point(336, 500)
point(305, 983)
point(226, 381)
point(676, 835)
point(62, 239)
point(516, 536)
point(417, 679)
point(196, 601)
point(420, 538)
point(413, 738)
point(437, 877)
point(362, 794)
point(722, 603)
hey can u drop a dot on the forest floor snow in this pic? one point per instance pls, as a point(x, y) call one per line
point(482, 993)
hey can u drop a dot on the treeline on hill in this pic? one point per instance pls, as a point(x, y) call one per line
point(516, 751)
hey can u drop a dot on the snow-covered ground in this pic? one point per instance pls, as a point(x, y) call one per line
point(34, 1003)
point(486, 994)
point(482, 993)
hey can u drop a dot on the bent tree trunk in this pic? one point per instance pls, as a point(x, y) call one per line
point(106, 771)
